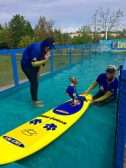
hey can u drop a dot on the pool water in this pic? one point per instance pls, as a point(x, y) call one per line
point(89, 143)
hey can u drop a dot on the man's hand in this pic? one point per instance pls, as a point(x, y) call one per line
point(93, 102)
point(89, 100)
point(46, 57)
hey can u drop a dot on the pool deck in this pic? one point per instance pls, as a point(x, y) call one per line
point(98, 127)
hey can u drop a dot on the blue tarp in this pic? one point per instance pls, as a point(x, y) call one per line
point(121, 122)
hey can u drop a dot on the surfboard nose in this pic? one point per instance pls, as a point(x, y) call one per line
point(8, 152)
point(39, 132)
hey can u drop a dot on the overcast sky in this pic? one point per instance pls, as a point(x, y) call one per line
point(68, 14)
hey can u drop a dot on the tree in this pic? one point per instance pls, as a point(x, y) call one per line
point(1, 27)
point(66, 39)
point(1, 39)
point(61, 38)
point(121, 34)
point(95, 28)
point(1, 35)
point(19, 28)
point(106, 20)
point(57, 34)
point(6, 40)
point(25, 41)
point(44, 28)
point(85, 34)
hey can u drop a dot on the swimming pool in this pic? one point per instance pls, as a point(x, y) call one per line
point(90, 142)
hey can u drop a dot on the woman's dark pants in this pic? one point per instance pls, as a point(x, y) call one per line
point(31, 74)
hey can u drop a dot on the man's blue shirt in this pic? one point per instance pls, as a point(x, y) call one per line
point(105, 86)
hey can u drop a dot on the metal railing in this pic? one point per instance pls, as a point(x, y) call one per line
point(68, 54)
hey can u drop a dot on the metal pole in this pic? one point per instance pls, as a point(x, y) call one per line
point(51, 61)
point(15, 69)
point(70, 56)
point(89, 49)
point(82, 53)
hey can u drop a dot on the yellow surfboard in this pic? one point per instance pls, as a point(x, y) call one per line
point(39, 132)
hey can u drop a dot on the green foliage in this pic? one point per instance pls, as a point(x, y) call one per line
point(84, 36)
point(19, 28)
point(1, 35)
point(5, 38)
point(1, 27)
point(1, 39)
point(122, 35)
point(43, 29)
point(57, 34)
point(66, 39)
point(61, 38)
point(25, 41)
point(18, 33)
point(96, 37)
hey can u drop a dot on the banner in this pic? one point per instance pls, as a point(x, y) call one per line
point(112, 45)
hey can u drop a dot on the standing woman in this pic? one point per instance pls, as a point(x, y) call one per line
point(35, 56)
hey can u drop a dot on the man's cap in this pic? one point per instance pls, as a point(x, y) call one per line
point(111, 69)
